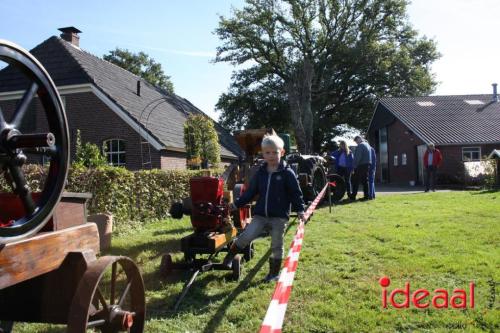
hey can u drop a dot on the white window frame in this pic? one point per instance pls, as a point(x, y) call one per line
point(396, 160)
point(478, 149)
point(403, 159)
point(109, 154)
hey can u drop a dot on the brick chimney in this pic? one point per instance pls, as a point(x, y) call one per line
point(70, 34)
point(495, 94)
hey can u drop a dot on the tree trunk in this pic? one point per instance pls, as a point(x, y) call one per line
point(299, 99)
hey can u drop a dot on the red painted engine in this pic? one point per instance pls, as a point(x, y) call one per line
point(209, 211)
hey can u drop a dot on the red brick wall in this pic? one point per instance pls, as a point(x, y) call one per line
point(452, 167)
point(97, 123)
point(402, 141)
point(173, 160)
point(486, 149)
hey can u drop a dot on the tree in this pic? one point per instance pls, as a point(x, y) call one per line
point(141, 65)
point(245, 106)
point(332, 58)
point(201, 140)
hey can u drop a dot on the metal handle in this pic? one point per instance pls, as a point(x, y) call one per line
point(31, 140)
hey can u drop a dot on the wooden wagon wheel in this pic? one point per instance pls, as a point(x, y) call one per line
point(109, 298)
point(14, 144)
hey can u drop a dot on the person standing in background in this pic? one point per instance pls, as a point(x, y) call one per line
point(371, 174)
point(343, 161)
point(361, 164)
point(432, 161)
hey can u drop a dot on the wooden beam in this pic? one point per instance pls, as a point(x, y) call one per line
point(31, 257)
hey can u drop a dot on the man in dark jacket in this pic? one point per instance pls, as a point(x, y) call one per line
point(278, 188)
point(361, 163)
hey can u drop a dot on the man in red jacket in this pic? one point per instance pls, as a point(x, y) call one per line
point(432, 161)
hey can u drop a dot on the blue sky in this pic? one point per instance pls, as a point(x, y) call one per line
point(179, 35)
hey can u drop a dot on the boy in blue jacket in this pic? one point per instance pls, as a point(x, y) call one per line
point(277, 187)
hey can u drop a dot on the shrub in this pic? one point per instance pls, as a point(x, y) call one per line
point(202, 141)
point(88, 154)
point(479, 173)
point(128, 195)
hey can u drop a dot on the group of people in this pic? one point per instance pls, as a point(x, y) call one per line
point(358, 167)
point(277, 188)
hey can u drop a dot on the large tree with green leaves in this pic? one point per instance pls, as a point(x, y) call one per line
point(141, 65)
point(330, 58)
point(246, 106)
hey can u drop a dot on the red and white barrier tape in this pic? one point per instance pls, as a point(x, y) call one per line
point(273, 321)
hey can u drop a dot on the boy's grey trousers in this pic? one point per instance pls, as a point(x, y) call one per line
point(276, 227)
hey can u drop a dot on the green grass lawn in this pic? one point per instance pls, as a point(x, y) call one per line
point(438, 240)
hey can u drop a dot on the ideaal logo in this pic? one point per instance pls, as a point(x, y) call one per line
point(439, 298)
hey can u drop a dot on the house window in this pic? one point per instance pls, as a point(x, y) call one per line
point(114, 150)
point(471, 153)
point(403, 159)
point(395, 160)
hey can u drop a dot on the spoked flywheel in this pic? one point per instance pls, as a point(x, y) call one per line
point(109, 298)
point(16, 143)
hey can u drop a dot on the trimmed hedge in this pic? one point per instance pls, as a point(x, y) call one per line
point(128, 195)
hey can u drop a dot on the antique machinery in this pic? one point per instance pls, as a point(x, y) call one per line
point(49, 271)
point(215, 228)
point(313, 171)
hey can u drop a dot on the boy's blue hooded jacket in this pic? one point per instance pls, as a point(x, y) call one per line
point(276, 192)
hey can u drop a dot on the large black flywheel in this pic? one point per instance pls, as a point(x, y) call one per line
point(16, 143)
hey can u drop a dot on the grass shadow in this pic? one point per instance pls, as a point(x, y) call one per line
point(489, 191)
point(199, 296)
point(172, 231)
point(158, 247)
point(245, 283)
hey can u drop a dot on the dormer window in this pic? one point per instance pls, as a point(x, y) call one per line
point(425, 103)
point(473, 102)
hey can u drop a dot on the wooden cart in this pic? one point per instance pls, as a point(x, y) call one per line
point(49, 269)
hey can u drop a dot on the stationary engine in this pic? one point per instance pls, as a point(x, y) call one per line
point(215, 227)
point(208, 206)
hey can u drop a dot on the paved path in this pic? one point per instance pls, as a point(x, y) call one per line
point(382, 189)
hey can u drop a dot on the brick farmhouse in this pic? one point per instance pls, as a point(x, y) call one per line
point(464, 128)
point(140, 125)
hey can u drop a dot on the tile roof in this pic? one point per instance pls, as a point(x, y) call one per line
point(447, 120)
point(158, 112)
